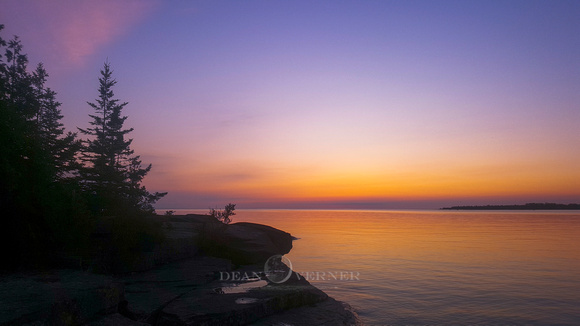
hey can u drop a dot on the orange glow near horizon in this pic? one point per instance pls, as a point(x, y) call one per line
point(278, 167)
point(367, 184)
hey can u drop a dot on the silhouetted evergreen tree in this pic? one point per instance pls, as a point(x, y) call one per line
point(113, 174)
point(62, 147)
point(36, 207)
point(44, 187)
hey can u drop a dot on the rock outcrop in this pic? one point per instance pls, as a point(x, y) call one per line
point(243, 243)
point(195, 292)
point(180, 287)
point(250, 243)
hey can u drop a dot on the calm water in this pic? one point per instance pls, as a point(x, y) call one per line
point(440, 267)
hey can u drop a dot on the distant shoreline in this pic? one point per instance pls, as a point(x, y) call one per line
point(528, 206)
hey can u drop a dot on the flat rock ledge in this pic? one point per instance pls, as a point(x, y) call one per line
point(188, 292)
point(183, 286)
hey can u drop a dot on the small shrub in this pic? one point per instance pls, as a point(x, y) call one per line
point(223, 215)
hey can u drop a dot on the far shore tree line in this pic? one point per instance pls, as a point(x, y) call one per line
point(56, 187)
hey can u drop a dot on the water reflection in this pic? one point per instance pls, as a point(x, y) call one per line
point(243, 287)
point(437, 267)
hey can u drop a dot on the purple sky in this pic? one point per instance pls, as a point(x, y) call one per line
point(380, 104)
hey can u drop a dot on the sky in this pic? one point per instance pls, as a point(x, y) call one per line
point(327, 104)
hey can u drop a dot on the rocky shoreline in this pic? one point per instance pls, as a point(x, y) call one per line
point(189, 280)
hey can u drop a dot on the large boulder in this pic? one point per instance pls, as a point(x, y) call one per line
point(246, 243)
point(256, 242)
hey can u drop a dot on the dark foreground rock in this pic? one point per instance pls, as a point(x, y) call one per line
point(185, 287)
point(62, 297)
point(201, 292)
point(250, 243)
point(243, 243)
point(203, 306)
point(189, 292)
point(325, 313)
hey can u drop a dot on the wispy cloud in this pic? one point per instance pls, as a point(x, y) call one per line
point(72, 30)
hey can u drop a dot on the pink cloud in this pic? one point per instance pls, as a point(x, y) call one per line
point(70, 31)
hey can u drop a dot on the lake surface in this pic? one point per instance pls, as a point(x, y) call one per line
point(439, 267)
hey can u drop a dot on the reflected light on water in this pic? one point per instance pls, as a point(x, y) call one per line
point(441, 266)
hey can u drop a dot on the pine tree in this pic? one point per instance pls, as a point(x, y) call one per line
point(112, 173)
point(26, 172)
point(62, 148)
point(17, 84)
point(35, 155)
